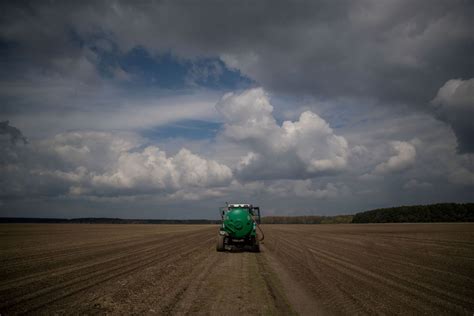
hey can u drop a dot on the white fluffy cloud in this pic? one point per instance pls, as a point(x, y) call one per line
point(100, 163)
point(454, 103)
point(456, 93)
point(405, 156)
point(302, 149)
point(152, 169)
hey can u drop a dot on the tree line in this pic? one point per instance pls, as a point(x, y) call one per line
point(105, 220)
point(338, 219)
point(443, 212)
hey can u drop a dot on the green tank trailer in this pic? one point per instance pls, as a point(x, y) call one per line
point(239, 227)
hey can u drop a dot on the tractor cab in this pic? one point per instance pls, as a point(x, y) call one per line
point(253, 211)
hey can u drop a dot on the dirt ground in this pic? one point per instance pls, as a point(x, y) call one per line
point(378, 268)
point(174, 269)
point(130, 269)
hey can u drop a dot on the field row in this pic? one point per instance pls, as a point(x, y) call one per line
point(174, 269)
point(130, 269)
point(400, 268)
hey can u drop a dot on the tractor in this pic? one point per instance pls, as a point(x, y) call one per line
point(239, 227)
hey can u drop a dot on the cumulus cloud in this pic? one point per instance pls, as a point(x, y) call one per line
point(104, 164)
point(96, 151)
point(60, 74)
point(405, 156)
point(456, 93)
point(454, 103)
point(151, 169)
point(293, 150)
point(322, 49)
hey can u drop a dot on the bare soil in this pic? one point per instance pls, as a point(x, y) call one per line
point(130, 269)
point(377, 268)
point(174, 269)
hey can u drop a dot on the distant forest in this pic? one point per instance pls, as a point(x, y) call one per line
point(105, 220)
point(339, 219)
point(444, 212)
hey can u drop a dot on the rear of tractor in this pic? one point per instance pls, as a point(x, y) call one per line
point(239, 227)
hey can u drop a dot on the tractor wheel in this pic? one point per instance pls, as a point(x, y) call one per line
point(220, 243)
point(256, 246)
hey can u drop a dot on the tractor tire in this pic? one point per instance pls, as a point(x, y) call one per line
point(220, 243)
point(255, 246)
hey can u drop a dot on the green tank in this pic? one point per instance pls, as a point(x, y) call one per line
point(239, 227)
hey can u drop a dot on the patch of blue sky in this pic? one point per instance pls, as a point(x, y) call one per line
point(212, 73)
point(162, 71)
point(166, 71)
point(188, 129)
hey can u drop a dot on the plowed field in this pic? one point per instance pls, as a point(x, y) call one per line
point(174, 269)
point(379, 268)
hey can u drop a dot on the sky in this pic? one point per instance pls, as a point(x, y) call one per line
point(169, 109)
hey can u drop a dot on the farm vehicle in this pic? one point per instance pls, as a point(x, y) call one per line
point(239, 227)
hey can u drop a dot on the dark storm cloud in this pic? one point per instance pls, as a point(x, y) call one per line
point(13, 132)
point(382, 69)
point(399, 50)
point(393, 51)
